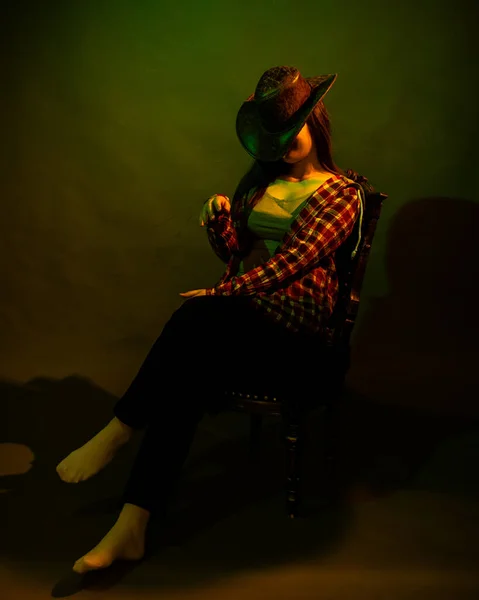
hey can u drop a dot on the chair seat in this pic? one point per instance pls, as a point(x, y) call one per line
point(334, 362)
point(273, 399)
point(263, 404)
point(253, 402)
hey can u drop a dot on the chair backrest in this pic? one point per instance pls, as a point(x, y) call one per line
point(351, 271)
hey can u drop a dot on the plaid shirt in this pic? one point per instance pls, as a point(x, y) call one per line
point(298, 285)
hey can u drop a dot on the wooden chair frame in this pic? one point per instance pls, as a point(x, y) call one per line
point(337, 337)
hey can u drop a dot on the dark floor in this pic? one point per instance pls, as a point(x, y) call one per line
point(407, 527)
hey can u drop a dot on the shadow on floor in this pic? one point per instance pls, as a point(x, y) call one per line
point(227, 515)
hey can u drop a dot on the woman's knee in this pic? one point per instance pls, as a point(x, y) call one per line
point(193, 309)
point(210, 315)
point(191, 320)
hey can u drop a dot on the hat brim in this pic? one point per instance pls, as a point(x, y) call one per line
point(270, 147)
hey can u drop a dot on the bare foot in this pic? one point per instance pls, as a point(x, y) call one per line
point(125, 541)
point(86, 461)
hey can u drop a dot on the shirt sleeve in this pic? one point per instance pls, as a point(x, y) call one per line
point(222, 236)
point(314, 241)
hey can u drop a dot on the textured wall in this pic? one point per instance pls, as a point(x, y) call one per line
point(118, 122)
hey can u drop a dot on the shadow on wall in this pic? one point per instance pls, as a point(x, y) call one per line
point(417, 346)
point(413, 357)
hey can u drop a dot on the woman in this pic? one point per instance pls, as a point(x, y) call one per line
point(290, 213)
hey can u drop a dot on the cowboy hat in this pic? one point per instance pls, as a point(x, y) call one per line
point(270, 119)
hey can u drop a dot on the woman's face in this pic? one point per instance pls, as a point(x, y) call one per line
point(301, 147)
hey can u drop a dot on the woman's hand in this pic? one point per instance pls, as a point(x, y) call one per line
point(193, 293)
point(215, 204)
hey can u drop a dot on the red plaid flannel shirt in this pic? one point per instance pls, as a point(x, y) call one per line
point(298, 285)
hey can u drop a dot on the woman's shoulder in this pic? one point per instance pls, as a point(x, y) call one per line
point(347, 179)
point(352, 177)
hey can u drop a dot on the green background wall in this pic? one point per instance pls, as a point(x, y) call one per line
point(118, 122)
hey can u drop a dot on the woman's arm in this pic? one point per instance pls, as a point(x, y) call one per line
point(222, 236)
point(311, 244)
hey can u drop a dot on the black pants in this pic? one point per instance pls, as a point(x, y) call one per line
point(208, 344)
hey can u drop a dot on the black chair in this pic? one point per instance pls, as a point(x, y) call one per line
point(337, 339)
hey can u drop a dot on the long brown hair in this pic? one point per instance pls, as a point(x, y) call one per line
point(261, 174)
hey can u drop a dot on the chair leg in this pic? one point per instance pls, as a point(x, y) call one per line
point(331, 448)
point(256, 422)
point(293, 440)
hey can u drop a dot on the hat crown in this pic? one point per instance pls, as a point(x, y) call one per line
point(274, 80)
point(280, 93)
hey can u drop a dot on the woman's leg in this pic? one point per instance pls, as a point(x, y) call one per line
point(184, 357)
point(181, 375)
point(125, 540)
point(162, 453)
point(181, 344)
point(89, 459)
